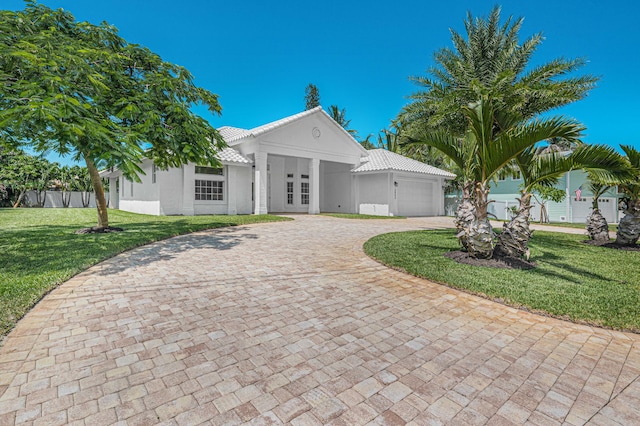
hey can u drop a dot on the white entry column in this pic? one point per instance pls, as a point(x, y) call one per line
point(260, 183)
point(314, 186)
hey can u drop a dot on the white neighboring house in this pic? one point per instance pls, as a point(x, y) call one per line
point(305, 163)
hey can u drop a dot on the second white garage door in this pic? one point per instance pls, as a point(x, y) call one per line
point(415, 198)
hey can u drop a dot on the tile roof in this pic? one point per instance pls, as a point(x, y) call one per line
point(230, 155)
point(229, 132)
point(381, 159)
point(232, 134)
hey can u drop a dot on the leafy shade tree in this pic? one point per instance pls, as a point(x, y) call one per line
point(629, 226)
point(491, 56)
point(494, 139)
point(19, 172)
point(77, 88)
point(340, 117)
point(311, 96)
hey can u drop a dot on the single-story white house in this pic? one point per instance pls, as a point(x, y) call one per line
point(305, 163)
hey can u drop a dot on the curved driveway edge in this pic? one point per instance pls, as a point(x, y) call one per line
point(291, 323)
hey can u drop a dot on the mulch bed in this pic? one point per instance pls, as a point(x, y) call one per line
point(500, 262)
point(98, 230)
point(612, 245)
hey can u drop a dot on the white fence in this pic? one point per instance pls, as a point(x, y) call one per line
point(569, 210)
point(53, 199)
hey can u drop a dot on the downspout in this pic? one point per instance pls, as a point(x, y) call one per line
point(568, 203)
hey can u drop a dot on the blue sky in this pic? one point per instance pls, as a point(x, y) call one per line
point(258, 56)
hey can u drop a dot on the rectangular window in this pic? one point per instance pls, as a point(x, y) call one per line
point(204, 170)
point(210, 190)
point(153, 173)
point(516, 175)
point(304, 176)
point(304, 192)
point(290, 193)
point(290, 175)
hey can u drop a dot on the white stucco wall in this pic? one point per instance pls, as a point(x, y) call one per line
point(373, 194)
point(171, 188)
point(335, 195)
point(140, 197)
point(243, 186)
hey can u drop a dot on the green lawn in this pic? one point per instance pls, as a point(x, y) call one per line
point(39, 250)
point(573, 280)
point(360, 216)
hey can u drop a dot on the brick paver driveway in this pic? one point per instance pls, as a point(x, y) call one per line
point(292, 323)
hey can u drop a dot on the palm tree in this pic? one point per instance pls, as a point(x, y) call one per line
point(543, 168)
point(597, 226)
point(494, 139)
point(629, 226)
point(340, 117)
point(492, 57)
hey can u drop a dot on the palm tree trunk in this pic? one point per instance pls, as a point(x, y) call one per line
point(101, 201)
point(465, 213)
point(515, 236)
point(480, 240)
point(629, 226)
point(597, 226)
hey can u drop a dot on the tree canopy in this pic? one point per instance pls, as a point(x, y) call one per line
point(311, 96)
point(80, 89)
point(491, 57)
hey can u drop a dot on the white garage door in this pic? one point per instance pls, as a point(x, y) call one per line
point(415, 198)
point(581, 209)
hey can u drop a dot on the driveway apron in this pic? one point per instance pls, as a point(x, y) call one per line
point(291, 323)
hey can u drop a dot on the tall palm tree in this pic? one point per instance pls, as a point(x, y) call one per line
point(629, 226)
point(495, 139)
point(491, 56)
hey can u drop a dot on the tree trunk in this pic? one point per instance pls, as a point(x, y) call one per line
point(101, 201)
point(41, 197)
point(480, 240)
point(66, 198)
point(597, 226)
point(86, 199)
point(19, 200)
point(465, 213)
point(515, 236)
point(629, 226)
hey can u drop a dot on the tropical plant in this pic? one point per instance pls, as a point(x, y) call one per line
point(82, 182)
point(597, 226)
point(311, 96)
point(19, 172)
point(629, 226)
point(76, 88)
point(340, 117)
point(42, 182)
point(540, 170)
point(492, 61)
point(492, 57)
point(366, 142)
point(494, 140)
